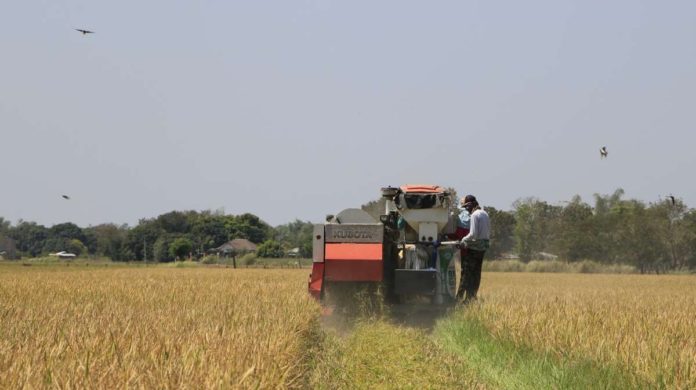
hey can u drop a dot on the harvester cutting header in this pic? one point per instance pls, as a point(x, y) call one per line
point(405, 252)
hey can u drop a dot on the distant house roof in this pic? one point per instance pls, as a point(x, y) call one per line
point(63, 255)
point(547, 256)
point(294, 252)
point(238, 244)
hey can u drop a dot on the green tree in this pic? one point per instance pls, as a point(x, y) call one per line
point(76, 246)
point(54, 244)
point(180, 248)
point(689, 226)
point(66, 230)
point(296, 234)
point(637, 239)
point(161, 250)
point(673, 230)
point(90, 241)
point(30, 237)
point(270, 249)
point(502, 232)
point(5, 226)
point(248, 226)
point(208, 231)
point(60, 236)
point(607, 221)
point(140, 240)
point(575, 236)
point(534, 228)
point(110, 241)
point(526, 243)
point(176, 221)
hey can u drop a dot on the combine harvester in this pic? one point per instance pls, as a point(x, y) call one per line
point(405, 254)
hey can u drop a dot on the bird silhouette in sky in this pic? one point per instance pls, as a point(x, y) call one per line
point(84, 32)
point(671, 198)
point(66, 197)
point(603, 152)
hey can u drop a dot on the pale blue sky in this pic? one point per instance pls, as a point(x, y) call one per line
point(296, 109)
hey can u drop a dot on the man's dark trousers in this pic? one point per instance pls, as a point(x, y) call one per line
point(472, 261)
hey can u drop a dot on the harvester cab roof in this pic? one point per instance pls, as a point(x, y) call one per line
point(420, 196)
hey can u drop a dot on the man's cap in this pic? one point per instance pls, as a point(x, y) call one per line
point(470, 200)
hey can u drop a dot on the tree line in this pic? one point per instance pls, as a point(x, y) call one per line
point(653, 237)
point(170, 236)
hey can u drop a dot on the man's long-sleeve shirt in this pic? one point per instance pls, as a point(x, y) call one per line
point(480, 231)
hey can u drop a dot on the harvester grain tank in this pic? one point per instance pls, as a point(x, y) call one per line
point(406, 251)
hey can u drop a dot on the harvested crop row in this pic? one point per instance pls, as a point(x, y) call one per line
point(380, 355)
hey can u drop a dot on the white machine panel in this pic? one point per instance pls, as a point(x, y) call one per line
point(427, 231)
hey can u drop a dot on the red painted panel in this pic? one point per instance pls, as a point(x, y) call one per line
point(353, 251)
point(353, 270)
point(316, 279)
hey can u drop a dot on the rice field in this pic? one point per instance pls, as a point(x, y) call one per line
point(154, 328)
point(162, 327)
point(645, 324)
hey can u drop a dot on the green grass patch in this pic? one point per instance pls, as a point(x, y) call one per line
point(503, 364)
point(379, 355)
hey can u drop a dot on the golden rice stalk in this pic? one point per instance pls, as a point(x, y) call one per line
point(643, 323)
point(154, 328)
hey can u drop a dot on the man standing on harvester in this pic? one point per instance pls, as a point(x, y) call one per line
point(476, 244)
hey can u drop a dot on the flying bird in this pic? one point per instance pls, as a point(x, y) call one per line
point(66, 197)
point(84, 32)
point(603, 152)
